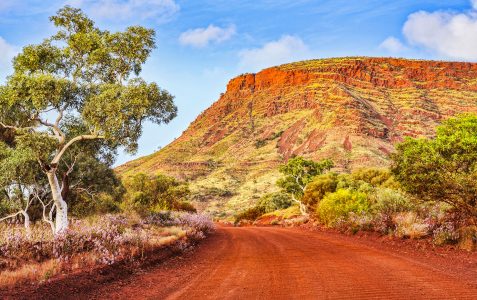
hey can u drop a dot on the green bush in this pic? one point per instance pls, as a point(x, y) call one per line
point(250, 214)
point(389, 201)
point(275, 201)
point(153, 194)
point(337, 206)
point(374, 176)
point(385, 203)
point(319, 187)
point(101, 204)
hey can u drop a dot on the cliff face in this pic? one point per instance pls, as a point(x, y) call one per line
point(352, 110)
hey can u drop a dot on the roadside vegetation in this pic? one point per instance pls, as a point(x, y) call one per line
point(71, 103)
point(430, 190)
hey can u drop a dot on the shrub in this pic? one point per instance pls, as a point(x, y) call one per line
point(153, 194)
point(385, 203)
point(250, 214)
point(184, 206)
point(388, 201)
point(338, 205)
point(319, 187)
point(374, 176)
point(161, 218)
point(447, 233)
point(275, 201)
point(408, 224)
point(198, 222)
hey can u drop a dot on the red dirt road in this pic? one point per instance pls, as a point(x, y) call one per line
point(281, 263)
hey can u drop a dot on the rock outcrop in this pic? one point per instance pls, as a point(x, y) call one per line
point(352, 110)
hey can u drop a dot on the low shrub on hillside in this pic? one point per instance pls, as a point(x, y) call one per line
point(152, 194)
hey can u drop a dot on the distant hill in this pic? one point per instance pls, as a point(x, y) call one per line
point(352, 110)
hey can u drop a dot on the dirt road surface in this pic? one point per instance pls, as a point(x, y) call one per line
point(281, 263)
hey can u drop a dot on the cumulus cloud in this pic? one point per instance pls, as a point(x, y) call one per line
point(7, 53)
point(121, 10)
point(201, 37)
point(450, 34)
point(392, 44)
point(286, 49)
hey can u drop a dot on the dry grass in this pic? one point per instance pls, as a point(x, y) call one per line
point(90, 243)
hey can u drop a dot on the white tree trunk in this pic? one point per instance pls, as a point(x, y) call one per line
point(27, 223)
point(61, 221)
point(303, 209)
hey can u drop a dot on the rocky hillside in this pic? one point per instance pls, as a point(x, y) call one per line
point(352, 110)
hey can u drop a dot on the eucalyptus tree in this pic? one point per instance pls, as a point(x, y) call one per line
point(86, 74)
point(298, 173)
point(442, 169)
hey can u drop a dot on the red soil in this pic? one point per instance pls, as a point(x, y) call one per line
point(283, 263)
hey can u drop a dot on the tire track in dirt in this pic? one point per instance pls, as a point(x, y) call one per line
point(286, 263)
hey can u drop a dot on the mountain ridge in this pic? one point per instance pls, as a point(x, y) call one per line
point(352, 110)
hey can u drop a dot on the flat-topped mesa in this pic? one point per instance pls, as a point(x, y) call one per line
point(379, 72)
point(335, 77)
point(352, 110)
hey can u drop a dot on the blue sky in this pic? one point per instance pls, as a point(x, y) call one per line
point(203, 44)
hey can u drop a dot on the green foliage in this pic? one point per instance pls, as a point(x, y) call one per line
point(86, 80)
point(250, 214)
point(152, 194)
point(444, 168)
point(299, 172)
point(388, 201)
point(267, 204)
point(338, 205)
point(319, 187)
point(374, 176)
point(364, 180)
point(274, 201)
point(87, 205)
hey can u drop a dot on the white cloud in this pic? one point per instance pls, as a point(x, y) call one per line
point(201, 37)
point(286, 49)
point(7, 53)
point(392, 44)
point(450, 34)
point(156, 10)
point(474, 3)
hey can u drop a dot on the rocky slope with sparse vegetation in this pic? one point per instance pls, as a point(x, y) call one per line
point(352, 110)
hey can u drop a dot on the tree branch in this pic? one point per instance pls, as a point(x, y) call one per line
point(58, 156)
point(59, 134)
point(15, 127)
point(11, 216)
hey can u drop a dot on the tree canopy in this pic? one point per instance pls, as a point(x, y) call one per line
point(444, 168)
point(80, 84)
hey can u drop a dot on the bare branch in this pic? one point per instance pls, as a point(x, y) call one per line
point(15, 127)
point(11, 216)
point(48, 219)
point(59, 134)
